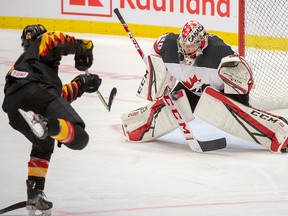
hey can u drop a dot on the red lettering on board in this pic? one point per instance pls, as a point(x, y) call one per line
point(199, 7)
point(96, 3)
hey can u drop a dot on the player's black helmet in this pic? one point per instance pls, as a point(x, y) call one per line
point(30, 33)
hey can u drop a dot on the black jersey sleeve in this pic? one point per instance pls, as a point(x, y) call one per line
point(169, 49)
point(58, 44)
point(214, 52)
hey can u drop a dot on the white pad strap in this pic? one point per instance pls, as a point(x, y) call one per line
point(154, 120)
point(157, 81)
point(236, 74)
point(242, 121)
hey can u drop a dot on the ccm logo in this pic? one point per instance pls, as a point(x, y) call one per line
point(264, 116)
point(168, 101)
point(132, 114)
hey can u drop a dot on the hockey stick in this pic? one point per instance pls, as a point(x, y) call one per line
point(111, 96)
point(121, 19)
point(13, 207)
point(195, 145)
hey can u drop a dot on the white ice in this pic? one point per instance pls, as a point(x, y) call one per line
point(115, 178)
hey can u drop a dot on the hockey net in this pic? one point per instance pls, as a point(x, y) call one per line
point(263, 40)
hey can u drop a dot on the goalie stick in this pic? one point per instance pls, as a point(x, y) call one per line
point(124, 24)
point(13, 207)
point(111, 96)
point(195, 145)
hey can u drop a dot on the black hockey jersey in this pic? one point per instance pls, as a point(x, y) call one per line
point(40, 62)
point(204, 70)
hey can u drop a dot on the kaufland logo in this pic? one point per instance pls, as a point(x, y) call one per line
point(87, 7)
point(198, 7)
point(104, 7)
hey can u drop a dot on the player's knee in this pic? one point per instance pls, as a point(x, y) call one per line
point(80, 140)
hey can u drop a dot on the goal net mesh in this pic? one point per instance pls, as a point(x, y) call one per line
point(266, 48)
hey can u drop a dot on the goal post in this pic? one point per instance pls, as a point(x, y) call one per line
point(263, 40)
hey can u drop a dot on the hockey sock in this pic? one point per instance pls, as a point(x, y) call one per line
point(37, 170)
point(65, 130)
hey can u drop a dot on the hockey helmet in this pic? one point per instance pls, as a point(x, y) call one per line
point(192, 40)
point(30, 33)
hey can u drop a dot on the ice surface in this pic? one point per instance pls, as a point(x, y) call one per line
point(116, 178)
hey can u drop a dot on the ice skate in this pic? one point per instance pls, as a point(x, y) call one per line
point(37, 201)
point(33, 212)
point(36, 122)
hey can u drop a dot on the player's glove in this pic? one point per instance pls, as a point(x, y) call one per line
point(84, 56)
point(87, 83)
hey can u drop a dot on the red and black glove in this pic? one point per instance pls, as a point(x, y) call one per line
point(87, 83)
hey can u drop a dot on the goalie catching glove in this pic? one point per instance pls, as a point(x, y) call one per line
point(87, 83)
point(236, 74)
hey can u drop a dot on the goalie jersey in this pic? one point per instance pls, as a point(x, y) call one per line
point(204, 70)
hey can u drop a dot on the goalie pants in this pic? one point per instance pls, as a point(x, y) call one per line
point(46, 101)
point(193, 98)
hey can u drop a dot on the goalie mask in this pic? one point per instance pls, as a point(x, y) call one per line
point(191, 42)
point(30, 33)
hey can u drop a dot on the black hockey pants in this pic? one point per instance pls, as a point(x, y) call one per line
point(46, 101)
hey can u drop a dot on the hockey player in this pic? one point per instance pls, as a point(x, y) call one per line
point(36, 100)
point(198, 61)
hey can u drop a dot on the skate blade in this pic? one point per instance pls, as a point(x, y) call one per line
point(34, 212)
point(29, 119)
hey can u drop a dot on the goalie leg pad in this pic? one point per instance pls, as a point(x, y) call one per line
point(242, 121)
point(154, 120)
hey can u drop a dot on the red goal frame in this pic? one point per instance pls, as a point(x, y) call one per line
point(241, 27)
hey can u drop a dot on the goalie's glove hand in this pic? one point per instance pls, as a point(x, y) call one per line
point(87, 83)
point(84, 55)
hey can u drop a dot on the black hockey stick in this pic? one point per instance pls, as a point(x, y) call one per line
point(13, 207)
point(195, 145)
point(110, 100)
point(111, 96)
point(124, 24)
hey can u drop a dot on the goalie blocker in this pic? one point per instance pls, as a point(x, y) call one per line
point(157, 81)
point(245, 122)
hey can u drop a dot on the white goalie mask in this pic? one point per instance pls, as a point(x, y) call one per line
point(191, 42)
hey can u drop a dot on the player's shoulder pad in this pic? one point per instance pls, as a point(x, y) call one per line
point(158, 44)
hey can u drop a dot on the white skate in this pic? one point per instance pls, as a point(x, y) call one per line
point(36, 122)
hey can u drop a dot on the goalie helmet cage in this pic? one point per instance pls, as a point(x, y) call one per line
point(263, 40)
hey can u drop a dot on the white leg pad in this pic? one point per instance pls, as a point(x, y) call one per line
point(154, 120)
point(242, 121)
